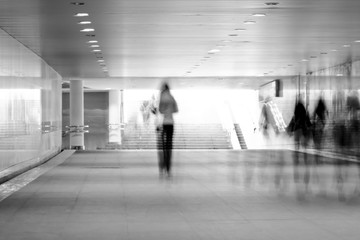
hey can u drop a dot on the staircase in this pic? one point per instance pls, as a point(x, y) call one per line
point(186, 136)
point(240, 136)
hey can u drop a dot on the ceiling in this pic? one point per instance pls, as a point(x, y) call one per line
point(143, 40)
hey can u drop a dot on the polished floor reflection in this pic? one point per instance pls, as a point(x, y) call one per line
point(211, 195)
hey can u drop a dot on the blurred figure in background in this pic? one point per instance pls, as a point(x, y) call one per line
point(154, 108)
point(145, 111)
point(319, 121)
point(302, 131)
point(353, 107)
point(267, 131)
point(167, 106)
point(345, 132)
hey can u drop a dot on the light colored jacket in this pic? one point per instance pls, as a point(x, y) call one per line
point(167, 106)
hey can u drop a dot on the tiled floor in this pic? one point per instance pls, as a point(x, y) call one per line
point(212, 195)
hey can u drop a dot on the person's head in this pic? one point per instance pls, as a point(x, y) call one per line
point(164, 87)
point(300, 98)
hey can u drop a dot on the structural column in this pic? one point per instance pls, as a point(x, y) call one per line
point(114, 117)
point(76, 127)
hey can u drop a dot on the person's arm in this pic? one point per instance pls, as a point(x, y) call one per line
point(175, 107)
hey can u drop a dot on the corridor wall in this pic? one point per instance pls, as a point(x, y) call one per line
point(30, 107)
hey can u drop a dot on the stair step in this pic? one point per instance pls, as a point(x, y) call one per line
point(186, 136)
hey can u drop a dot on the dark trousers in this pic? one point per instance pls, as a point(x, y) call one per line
point(167, 144)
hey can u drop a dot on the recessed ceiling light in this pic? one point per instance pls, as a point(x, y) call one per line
point(346, 45)
point(249, 22)
point(101, 60)
point(339, 75)
point(81, 15)
point(357, 41)
point(272, 3)
point(87, 30)
point(93, 41)
point(214, 50)
point(334, 50)
point(96, 50)
point(220, 45)
point(259, 14)
point(77, 3)
point(226, 41)
point(84, 22)
point(94, 46)
point(304, 60)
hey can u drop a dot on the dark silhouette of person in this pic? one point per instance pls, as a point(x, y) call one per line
point(167, 106)
point(301, 134)
point(319, 119)
point(320, 116)
point(158, 129)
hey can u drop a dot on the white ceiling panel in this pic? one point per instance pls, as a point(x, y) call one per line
point(171, 38)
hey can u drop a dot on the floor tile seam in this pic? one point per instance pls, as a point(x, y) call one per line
point(269, 236)
point(339, 236)
point(218, 196)
point(13, 185)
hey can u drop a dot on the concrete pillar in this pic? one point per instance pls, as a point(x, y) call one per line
point(76, 115)
point(114, 117)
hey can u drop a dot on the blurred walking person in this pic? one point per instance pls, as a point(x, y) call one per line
point(158, 128)
point(301, 133)
point(167, 107)
point(319, 121)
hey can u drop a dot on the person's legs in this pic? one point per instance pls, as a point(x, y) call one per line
point(296, 156)
point(160, 151)
point(163, 145)
point(169, 131)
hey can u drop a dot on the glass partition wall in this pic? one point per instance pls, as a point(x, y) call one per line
point(30, 106)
